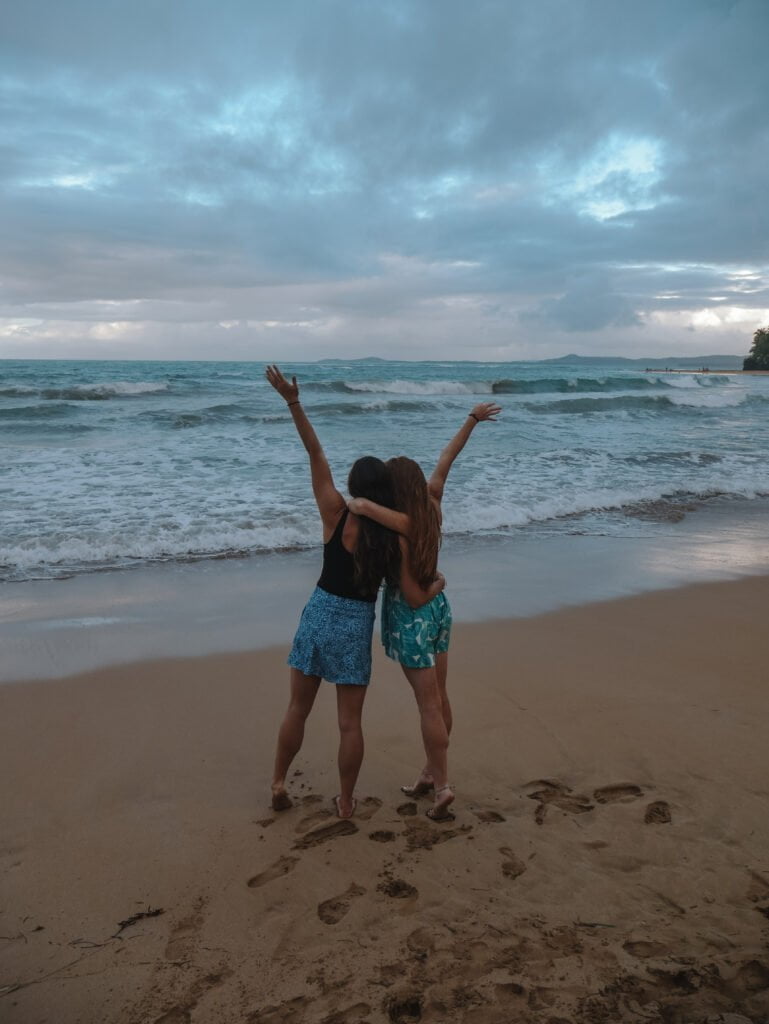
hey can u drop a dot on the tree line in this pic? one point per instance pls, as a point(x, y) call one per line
point(758, 358)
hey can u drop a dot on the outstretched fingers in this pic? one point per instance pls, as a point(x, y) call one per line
point(281, 385)
point(487, 411)
point(274, 376)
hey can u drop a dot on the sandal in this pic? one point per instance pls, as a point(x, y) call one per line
point(440, 810)
point(420, 788)
point(337, 801)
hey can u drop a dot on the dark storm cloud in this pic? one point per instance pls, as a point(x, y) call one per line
point(566, 166)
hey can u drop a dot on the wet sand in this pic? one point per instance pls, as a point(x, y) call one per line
point(609, 860)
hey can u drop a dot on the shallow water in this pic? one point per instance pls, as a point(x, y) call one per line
point(109, 464)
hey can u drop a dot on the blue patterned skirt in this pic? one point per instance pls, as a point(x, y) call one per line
point(333, 640)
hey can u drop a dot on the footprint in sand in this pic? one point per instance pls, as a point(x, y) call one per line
point(407, 810)
point(312, 819)
point(311, 798)
point(382, 836)
point(512, 866)
point(405, 1008)
point(624, 792)
point(282, 866)
point(658, 813)
point(490, 816)
point(752, 977)
point(643, 949)
point(420, 942)
point(560, 796)
point(185, 932)
point(182, 1014)
point(332, 911)
point(397, 889)
point(420, 835)
point(367, 808)
point(341, 827)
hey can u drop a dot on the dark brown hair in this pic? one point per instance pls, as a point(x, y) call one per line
point(413, 498)
point(377, 552)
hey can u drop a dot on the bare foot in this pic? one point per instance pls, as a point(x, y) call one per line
point(440, 809)
point(421, 787)
point(345, 810)
point(281, 801)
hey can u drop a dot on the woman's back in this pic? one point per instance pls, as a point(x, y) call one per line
point(338, 575)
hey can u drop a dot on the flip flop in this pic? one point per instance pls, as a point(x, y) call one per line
point(339, 814)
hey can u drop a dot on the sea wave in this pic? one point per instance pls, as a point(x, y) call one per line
point(68, 553)
point(235, 412)
point(35, 412)
point(575, 385)
point(420, 387)
point(103, 392)
point(87, 393)
point(516, 386)
point(638, 403)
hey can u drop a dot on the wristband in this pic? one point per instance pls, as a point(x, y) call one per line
point(474, 417)
point(297, 402)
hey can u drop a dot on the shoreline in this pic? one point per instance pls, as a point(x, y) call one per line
point(609, 858)
point(54, 628)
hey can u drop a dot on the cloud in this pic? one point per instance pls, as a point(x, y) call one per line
point(491, 177)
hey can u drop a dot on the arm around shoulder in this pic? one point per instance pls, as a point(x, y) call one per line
point(398, 522)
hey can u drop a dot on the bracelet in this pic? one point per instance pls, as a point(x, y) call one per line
point(297, 402)
point(474, 417)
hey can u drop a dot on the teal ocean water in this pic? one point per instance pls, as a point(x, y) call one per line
point(114, 464)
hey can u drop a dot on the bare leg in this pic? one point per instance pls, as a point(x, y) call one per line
point(349, 705)
point(303, 692)
point(424, 682)
point(424, 783)
point(441, 671)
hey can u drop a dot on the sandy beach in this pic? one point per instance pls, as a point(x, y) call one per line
point(609, 860)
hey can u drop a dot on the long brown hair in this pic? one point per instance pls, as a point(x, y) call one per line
point(377, 552)
point(413, 498)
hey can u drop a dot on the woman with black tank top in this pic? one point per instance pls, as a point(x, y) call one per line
point(333, 641)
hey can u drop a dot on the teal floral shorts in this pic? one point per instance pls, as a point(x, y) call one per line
point(413, 636)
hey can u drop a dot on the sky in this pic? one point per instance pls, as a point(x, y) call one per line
point(423, 179)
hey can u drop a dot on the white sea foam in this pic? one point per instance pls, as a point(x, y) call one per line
point(422, 387)
point(139, 387)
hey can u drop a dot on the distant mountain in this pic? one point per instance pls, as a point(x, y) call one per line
point(715, 362)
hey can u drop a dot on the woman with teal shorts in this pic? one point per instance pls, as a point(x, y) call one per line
point(417, 635)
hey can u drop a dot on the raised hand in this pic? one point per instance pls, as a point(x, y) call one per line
point(288, 391)
point(486, 411)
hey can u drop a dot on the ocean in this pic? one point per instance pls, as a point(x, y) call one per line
point(111, 465)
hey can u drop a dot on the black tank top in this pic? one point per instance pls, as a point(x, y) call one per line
point(338, 575)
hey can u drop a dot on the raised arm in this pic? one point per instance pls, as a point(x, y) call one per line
point(413, 594)
point(330, 502)
point(398, 522)
point(484, 411)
